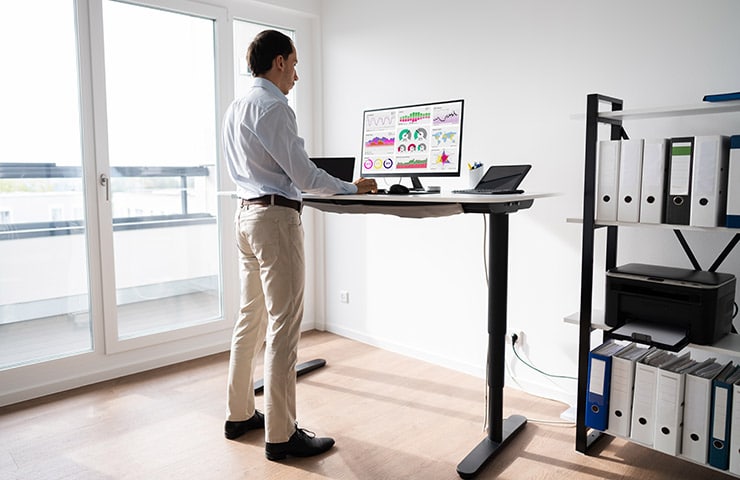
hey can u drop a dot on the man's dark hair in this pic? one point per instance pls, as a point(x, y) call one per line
point(264, 48)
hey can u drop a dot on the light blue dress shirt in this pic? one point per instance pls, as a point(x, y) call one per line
point(264, 153)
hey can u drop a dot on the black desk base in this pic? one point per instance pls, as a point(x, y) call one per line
point(500, 430)
point(487, 448)
point(300, 369)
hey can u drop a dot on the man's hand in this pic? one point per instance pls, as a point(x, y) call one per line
point(366, 185)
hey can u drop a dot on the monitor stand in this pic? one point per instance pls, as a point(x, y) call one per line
point(416, 184)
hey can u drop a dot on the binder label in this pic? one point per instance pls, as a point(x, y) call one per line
point(598, 372)
point(720, 412)
point(680, 168)
point(706, 169)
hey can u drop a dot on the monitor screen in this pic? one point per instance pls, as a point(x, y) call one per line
point(413, 140)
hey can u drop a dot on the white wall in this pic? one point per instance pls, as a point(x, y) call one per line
point(524, 68)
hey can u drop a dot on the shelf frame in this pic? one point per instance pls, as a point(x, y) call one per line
point(614, 116)
point(593, 118)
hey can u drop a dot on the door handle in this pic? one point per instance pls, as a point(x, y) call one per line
point(105, 182)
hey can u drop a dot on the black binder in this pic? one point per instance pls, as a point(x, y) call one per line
point(678, 181)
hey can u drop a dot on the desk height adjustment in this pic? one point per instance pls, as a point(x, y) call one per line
point(500, 430)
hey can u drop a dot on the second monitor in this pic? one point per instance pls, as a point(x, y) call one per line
point(341, 167)
point(423, 140)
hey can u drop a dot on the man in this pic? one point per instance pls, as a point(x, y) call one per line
point(267, 161)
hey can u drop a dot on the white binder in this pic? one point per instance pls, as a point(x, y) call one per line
point(669, 405)
point(697, 413)
point(642, 426)
point(652, 195)
point(622, 389)
point(709, 181)
point(607, 184)
point(630, 176)
point(735, 432)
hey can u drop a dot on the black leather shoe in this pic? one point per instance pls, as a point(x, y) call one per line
point(301, 444)
point(234, 430)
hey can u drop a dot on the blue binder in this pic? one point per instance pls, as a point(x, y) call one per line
point(733, 183)
point(721, 417)
point(599, 384)
point(722, 97)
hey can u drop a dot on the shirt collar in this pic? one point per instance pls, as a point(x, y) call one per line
point(270, 87)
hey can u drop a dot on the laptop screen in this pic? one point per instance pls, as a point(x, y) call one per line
point(341, 167)
point(503, 177)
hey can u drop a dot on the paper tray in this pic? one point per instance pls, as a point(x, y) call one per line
point(658, 335)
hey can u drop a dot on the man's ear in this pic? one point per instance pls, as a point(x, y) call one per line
point(279, 62)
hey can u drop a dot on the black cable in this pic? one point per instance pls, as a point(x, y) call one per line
point(513, 348)
point(485, 243)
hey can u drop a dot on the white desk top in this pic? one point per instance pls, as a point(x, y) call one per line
point(423, 205)
point(444, 197)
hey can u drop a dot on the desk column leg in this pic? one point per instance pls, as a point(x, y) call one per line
point(500, 430)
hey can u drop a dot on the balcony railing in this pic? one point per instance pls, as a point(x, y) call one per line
point(16, 237)
point(31, 171)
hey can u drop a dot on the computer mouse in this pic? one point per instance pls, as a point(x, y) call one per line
point(398, 189)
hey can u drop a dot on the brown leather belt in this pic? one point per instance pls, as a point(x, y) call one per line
point(273, 200)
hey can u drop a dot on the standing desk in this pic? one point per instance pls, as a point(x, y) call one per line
point(498, 208)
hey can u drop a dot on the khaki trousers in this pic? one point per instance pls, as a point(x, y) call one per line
point(272, 275)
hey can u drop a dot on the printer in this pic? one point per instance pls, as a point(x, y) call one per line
point(698, 304)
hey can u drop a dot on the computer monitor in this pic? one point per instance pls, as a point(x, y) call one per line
point(423, 140)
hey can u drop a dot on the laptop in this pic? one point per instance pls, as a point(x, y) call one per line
point(341, 167)
point(500, 180)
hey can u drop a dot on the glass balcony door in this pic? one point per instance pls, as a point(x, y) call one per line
point(159, 177)
point(109, 218)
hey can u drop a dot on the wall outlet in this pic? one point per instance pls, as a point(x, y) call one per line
point(519, 337)
point(344, 296)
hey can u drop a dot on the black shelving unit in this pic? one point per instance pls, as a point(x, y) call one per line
point(613, 115)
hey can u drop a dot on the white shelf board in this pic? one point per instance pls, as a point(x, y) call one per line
point(667, 112)
point(676, 111)
point(664, 226)
point(682, 457)
point(597, 319)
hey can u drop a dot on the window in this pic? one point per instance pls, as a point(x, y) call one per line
point(41, 316)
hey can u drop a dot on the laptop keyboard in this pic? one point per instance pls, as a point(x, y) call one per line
point(488, 192)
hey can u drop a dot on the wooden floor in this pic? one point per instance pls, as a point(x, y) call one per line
point(59, 335)
point(392, 417)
